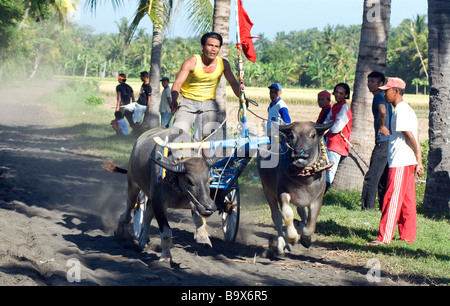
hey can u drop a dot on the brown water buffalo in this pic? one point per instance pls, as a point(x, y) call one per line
point(295, 172)
point(186, 185)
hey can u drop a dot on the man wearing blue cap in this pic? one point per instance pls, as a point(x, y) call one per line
point(278, 111)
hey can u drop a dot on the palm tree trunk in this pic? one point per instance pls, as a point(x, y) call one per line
point(372, 57)
point(221, 24)
point(37, 60)
point(437, 192)
point(85, 68)
point(152, 119)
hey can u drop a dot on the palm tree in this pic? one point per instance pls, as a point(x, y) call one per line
point(123, 28)
point(437, 192)
point(372, 56)
point(159, 12)
point(221, 25)
point(64, 9)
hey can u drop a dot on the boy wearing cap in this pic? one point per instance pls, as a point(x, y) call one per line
point(166, 100)
point(376, 177)
point(405, 163)
point(324, 102)
point(277, 111)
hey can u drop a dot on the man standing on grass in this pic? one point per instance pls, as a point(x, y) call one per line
point(376, 177)
point(405, 163)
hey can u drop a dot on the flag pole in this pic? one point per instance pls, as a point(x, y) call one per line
point(242, 102)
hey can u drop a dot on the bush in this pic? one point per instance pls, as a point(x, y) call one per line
point(93, 100)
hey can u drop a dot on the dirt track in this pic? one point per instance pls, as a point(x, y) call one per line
point(58, 208)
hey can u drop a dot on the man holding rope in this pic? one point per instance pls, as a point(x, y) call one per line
point(197, 82)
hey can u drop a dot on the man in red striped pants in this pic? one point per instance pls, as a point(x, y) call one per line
point(405, 163)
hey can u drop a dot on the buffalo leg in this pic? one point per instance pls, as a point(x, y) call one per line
point(159, 210)
point(148, 217)
point(277, 219)
point(125, 218)
point(288, 218)
point(201, 235)
point(133, 192)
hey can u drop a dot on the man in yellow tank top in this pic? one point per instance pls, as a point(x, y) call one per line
point(197, 82)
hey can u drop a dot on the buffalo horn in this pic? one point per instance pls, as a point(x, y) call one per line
point(169, 165)
point(211, 161)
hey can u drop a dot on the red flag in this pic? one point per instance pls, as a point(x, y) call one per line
point(245, 25)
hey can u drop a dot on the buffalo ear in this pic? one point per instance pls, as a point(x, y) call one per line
point(169, 165)
point(322, 128)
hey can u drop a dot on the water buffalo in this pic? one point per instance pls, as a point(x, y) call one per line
point(186, 185)
point(297, 176)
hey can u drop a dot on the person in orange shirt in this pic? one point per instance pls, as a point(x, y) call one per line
point(197, 82)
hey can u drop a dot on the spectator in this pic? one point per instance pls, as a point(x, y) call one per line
point(277, 111)
point(342, 116)
point(376, 177)
point(324, 102)
point(143, 103)
point(405, 163)
point(119, 124)
point(124, 95)
point(166, 100)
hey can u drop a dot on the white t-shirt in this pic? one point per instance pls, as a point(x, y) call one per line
point(403, 119)
point(278, 113)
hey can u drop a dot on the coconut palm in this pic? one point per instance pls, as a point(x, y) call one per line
point(372, 56)
point(437, 192)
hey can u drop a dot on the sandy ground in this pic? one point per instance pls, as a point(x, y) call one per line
point(59, 209)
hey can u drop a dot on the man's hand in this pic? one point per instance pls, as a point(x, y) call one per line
point(418, 171)
point(174, 106)
point(384, 130)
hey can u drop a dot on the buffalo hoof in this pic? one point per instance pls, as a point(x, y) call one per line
point(291, 235)
point(166, 256)
point(203, 241)
point(141, 245)
point(202, 237)
point(305, 241)
point(278, 245)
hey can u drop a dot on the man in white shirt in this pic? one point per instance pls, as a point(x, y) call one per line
point(278, 111)
point(405, 163)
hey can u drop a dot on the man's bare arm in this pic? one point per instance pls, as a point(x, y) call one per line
point(230, 77)
point(187, 67)
point(382, 119)
point(417, 149)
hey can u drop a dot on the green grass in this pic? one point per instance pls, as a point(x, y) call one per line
point(341, 225)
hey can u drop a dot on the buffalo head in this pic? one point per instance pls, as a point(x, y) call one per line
point(302, 142)
point(193, 179)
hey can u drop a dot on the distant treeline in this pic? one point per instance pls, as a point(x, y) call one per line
point(311, 58)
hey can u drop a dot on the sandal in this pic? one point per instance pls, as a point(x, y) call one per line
point(375, 242)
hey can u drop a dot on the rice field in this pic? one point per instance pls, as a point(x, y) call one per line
point(302, 104)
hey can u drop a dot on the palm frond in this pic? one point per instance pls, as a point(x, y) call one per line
point(200, 15)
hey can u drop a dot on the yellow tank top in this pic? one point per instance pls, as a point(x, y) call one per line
point(201, 86)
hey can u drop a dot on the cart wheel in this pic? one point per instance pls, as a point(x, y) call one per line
point(138, 214)
point(230, 215)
